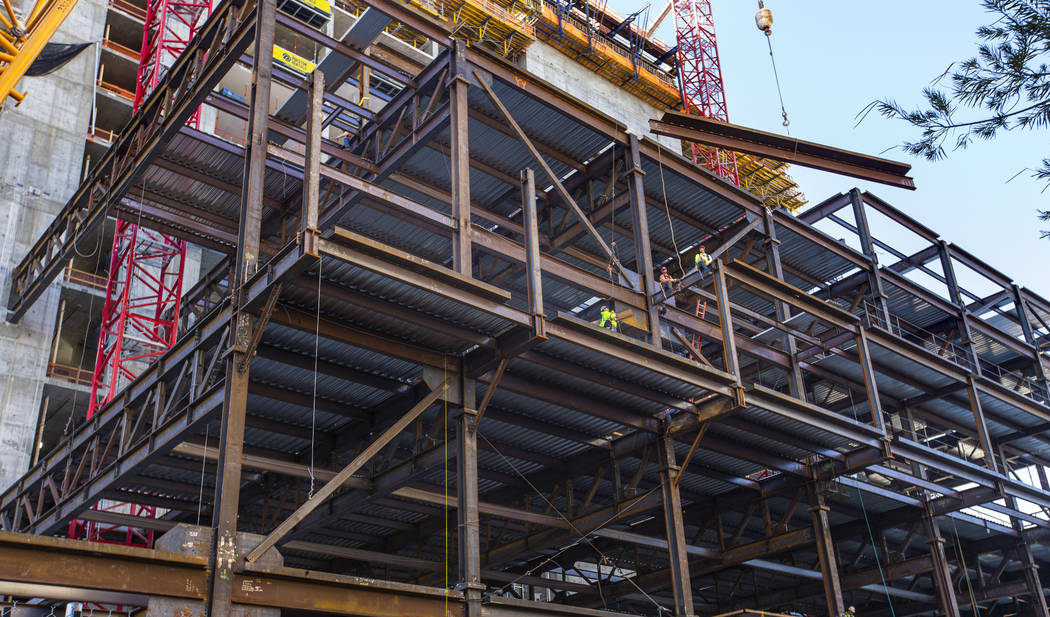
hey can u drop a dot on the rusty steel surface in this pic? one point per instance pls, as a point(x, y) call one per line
point(788, 149)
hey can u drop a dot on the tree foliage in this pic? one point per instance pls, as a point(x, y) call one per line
point(1005, 87)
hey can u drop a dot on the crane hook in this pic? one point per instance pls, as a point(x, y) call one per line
point(764, 19)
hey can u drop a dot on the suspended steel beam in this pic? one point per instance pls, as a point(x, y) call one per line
point(688, 127)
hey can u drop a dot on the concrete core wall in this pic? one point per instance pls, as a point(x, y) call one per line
point(41, 154)
point(560, 71)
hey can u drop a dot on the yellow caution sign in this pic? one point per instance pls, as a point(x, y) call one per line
point(319, 5)
point(293, 62)
point(315, 13)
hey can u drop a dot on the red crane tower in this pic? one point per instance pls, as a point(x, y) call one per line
point(700, 75)
point(141, 314)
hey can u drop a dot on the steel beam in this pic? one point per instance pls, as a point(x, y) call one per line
point(559, 187)
point(696, 129)
point(345, 474)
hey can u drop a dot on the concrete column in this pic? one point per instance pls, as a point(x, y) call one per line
point(41, 154)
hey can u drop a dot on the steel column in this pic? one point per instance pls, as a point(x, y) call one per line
point(978, 419)
point(675, 526)
point(469, 552)
point(1024, 553)
point(725, 320)
point(829, 568)
point(312, 167)
point(868, 247)
point(870, 385)
point(1031, 575)
point(954, 293)
point(941, 575)
point(459, 151)
point(533, 261)
point(783, 309)
point(1029, 335)
point(231, 443)
point(643, 250)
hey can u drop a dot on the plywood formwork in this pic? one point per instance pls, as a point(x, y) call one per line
point(413, 317)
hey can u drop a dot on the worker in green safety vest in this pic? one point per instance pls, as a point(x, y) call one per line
point(608, 319)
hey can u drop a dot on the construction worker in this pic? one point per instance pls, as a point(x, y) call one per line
point(665, 281)
point(345, 136)
point(850, 612)
point(702, 261)
point(609, 320)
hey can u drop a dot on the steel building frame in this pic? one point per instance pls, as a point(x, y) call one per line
point(395, 377)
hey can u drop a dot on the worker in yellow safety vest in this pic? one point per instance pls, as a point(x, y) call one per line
point(702, 261)
point(608, 319)
point(850, 612)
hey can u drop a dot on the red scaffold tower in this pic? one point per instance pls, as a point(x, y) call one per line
point(170, 26)
point(700, 73)
point(141, 314)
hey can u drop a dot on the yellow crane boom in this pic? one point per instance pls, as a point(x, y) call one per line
point(21, 44)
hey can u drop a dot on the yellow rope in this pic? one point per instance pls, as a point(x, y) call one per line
point(966, 573)
point(444, 369)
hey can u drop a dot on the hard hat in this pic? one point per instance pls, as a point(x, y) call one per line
point(663, 268)
point(605, 308)
point(851, 609)
point(702, 247)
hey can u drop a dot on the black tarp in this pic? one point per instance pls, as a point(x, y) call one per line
point(53, 56)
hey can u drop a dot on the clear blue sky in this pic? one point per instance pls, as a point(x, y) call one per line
point(834, 58)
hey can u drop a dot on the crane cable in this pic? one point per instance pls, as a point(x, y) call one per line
point(764, 21)
point(776, 77)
